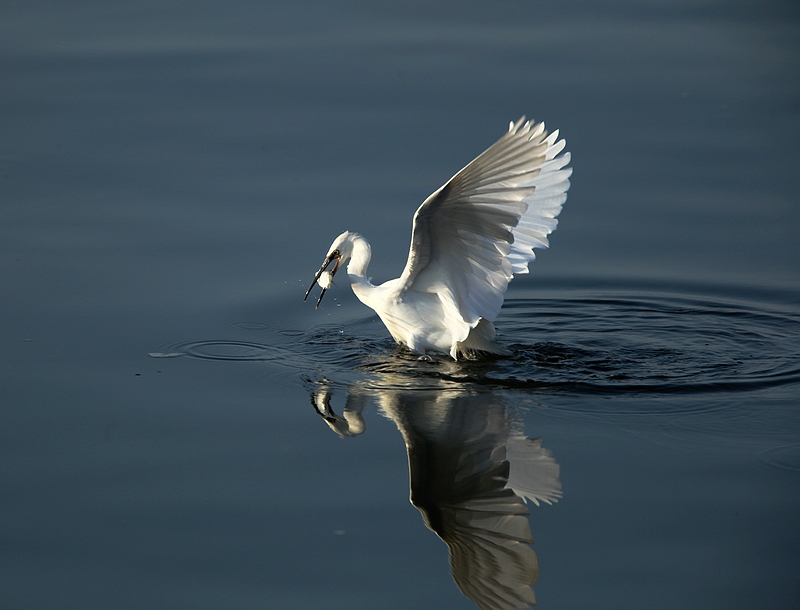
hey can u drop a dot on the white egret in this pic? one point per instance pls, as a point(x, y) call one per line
point(469, 239)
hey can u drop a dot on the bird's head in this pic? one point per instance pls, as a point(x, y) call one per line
point(340, 252)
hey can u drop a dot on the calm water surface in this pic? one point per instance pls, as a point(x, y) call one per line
point(178, 430)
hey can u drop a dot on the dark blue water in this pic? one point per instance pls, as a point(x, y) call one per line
point(178, 430)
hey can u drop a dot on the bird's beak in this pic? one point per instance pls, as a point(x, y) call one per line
point(333, 256)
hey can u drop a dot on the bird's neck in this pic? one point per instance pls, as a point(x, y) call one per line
point(359, 261)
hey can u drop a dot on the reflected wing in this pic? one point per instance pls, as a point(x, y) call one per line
point(464, 499)
point(490, 558)
point(462, 467)
point(459, 473)
point(472, 235)
point(534, 474)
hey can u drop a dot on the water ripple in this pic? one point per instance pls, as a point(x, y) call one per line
point(632, 344)
point(226, 350)
point(785, 457)
point(614, 340)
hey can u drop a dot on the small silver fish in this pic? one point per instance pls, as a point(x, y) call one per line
point(325, 280)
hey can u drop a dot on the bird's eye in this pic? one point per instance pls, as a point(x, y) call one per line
point(335, 253)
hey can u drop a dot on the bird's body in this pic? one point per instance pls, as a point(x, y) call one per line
point(469, 239)
point(417, 318)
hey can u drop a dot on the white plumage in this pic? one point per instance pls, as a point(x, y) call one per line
point(469, 239)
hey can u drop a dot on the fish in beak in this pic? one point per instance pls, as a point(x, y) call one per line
point(325, 277)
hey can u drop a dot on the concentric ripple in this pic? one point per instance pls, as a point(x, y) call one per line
point(622, 341)
point(664, 344)
point(614, 340)
point(226, 350)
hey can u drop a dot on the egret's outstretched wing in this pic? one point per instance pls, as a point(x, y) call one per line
point(472, 235)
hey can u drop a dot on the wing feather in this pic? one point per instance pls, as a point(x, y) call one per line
point(475, 233)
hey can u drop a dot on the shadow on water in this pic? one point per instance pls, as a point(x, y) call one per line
point(471, 471)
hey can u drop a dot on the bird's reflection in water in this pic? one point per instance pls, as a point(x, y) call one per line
point(472, 472)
